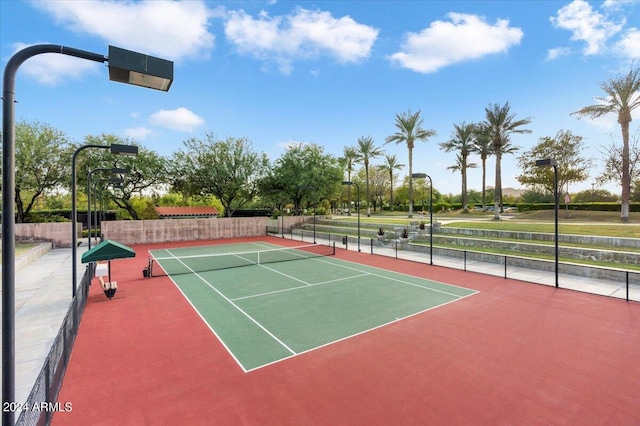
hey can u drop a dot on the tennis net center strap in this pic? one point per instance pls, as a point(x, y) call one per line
point(176, 265)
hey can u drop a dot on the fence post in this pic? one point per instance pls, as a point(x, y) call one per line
point(464, 256)
point(505, 267)
point(627, 273)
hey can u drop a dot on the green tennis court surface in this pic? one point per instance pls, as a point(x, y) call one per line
point(264, 313)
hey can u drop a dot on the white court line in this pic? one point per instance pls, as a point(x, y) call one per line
point(298, 288)
point(391, 278)
point(237, 307)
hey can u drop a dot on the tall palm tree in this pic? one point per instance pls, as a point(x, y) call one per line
point(622, 97)
point(462, 164)
point(410, 130)
point(367, 150)
point(349, 157)
point(391, 164)
point(482, 146)
point(462, 140)
point(501, 124)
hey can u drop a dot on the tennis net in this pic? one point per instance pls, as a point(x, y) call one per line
point(176, 265)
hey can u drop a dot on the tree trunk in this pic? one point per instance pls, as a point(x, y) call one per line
point(19, 206)
point(484, 182)
point(410, 182)
point(391, 180)
point(498, 188)
point(366, 172)
point(626, 177)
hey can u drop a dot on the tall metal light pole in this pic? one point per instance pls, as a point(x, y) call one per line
point(422, 176)
point(114, 171)
point(115, 182)
point(349, 183)
point(116, 149)
point(125, 67)
point(550, 162)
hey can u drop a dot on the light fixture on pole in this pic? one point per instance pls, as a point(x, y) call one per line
point(115, 171)
point(349, 183)
point(115, 182)
point(116, 149)
point(550, 162)
point(160, 73)
point(422, 176)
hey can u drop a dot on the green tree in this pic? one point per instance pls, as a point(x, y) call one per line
point(622, 97)
point(305, 175)
point(462, 141)
point(483, 147)
point(613, 169)
point(410, 130)
point(229, 169)
point(565, 148)
point(147, 170)
point(461, 165)
point(42, 157)
point(390, 165)
point(367, 151)
point(349, 157)
point(500, 124)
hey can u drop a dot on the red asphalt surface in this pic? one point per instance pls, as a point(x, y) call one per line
point(514, 354)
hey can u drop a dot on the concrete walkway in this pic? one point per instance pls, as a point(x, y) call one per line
point(43, 295)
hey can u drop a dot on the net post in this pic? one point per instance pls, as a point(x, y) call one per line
point(334, 248)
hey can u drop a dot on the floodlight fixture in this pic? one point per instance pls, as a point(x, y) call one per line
point(138, 69)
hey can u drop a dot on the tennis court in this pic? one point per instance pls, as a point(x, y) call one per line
point(266, 303)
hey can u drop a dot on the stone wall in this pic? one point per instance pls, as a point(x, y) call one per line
point(154, 231)
point(59, 233)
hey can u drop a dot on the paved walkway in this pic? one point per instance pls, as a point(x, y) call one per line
point(43, 295)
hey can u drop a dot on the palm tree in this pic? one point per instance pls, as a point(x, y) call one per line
point(389, 166)
point(482, 146)
point(462, 165)
point(349, 157)
point(366, 151)
point(410, 130)
point(462, 140)
point(500, 124)
point(623, 96)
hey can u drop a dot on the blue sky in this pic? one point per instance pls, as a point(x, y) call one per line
point(327, 72)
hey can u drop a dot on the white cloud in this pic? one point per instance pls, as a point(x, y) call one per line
point(170, 29)
point(52, 69)
point(180, 119)
point(137, 133)
point(556, 52)
point(586, 25)
point(630, 43)
point(617, 4)
point(303, 34)
point(464, 38)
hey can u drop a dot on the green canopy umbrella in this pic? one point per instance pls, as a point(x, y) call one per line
point(108, 250)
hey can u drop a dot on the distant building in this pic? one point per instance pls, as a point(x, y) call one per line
point(186, 212)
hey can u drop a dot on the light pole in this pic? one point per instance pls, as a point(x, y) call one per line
point(116, 149)
point(422, 176)
point(114, 171)
point(349, 183)
point(117, 183)
point(550, 162)
point(125, 67)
